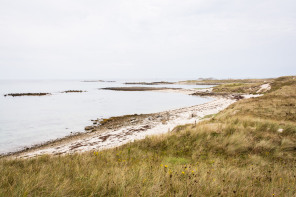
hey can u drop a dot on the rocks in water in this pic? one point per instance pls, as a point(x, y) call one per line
point(27, 94)
point(138, 88)
point(41, 93)
point(96, 122)
point(73, 91)
point(149, 83)
point(87, 128)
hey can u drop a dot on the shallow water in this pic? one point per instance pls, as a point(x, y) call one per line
point(29, 120)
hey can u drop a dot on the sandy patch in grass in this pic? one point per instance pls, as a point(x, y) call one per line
point(264, 88)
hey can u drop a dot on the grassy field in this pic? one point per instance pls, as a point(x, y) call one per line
point(251, 87)
point(249, 149)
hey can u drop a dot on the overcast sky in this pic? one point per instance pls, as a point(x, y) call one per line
point(107, 39)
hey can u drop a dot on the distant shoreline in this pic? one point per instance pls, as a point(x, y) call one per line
point(138, 88)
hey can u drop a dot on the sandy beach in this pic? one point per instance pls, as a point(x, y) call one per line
point(116, 131)
point(127, 129)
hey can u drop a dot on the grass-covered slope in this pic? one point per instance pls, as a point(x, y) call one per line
point(224, 81)
point(245, 88)
point(248, 149)
point(251, 86)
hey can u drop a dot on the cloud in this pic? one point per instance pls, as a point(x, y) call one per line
point(162, 38)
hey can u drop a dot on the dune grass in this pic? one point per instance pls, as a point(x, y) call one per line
point(245, 88)
point(249, 149)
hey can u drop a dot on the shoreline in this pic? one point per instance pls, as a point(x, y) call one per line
point(79, 134)
point(127, 128)
point(117, 131)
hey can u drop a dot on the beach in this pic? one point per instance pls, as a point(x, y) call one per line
point(28, 119)
point(115, 131)
point(127, 129)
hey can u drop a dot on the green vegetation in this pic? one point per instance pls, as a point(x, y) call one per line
point(225, 81)
point(251, 86)
point(249, 149)
point(245, 88)
point(242, 86)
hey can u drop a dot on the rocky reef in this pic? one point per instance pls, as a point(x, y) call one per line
point(27, 94)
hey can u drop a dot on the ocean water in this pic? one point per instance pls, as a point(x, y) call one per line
point(29, 120)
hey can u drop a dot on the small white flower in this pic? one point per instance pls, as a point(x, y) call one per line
point(280, 130)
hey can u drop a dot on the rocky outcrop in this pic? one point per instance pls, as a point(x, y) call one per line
point(27, 94)
point(138, 88)
point(149, 83)
point(74, 91)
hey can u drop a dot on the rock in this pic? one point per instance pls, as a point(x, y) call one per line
point(89, 128)
point(27, 94)
point(238, 97)
point(133, 120)
point(73, 91)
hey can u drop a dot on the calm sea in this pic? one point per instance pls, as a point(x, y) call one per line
point(25, 121)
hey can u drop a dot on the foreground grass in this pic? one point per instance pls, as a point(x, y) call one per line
point(248, 149)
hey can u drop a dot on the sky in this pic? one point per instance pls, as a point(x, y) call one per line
point(109, 39)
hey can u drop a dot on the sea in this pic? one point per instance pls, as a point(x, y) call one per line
point(29, 120)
